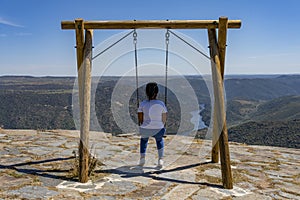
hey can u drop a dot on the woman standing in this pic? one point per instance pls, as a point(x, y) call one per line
point(152, 116)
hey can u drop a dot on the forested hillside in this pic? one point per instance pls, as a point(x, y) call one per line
point(258, 108)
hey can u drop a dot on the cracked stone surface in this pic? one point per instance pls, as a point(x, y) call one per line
point(41, 165)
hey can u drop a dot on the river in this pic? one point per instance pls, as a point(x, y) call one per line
point(197, 118)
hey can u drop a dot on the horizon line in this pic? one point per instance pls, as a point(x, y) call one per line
point(74, 76)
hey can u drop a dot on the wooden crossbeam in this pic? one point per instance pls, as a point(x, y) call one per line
point(152, 24)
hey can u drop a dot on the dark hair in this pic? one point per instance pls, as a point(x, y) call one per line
point(151, 90)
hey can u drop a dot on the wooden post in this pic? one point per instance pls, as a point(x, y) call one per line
point(222, 37)
point(222, 34)
point(79, 41)
point(84, 57)
point(220, 114)
point(216, 130)
point(223, 141)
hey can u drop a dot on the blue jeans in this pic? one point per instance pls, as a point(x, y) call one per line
point(158, 135)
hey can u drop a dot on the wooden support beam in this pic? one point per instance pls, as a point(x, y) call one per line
point(219, 112)
point(225, 159)
point(212, 37)
point(151, 24)
point(223, 140)
point(79, 29)
point(84, 79)
point(222, 34)
point(222, 37)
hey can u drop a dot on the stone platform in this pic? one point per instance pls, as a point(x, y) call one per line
point(40, 165)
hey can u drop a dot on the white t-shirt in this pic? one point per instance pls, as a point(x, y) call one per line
point(152, 111)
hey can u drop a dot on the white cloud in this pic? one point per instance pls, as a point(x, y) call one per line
point(5, 22)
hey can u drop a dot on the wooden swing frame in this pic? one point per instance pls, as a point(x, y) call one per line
point(84, 35)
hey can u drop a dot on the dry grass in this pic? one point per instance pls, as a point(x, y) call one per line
point(211, 179)
point(289, 192)
point(2, 130)
point(93, 163)
point(238, 176)
point(14, 174)
point(272, 166)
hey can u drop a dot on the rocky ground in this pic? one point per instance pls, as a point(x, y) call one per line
point(42, 165)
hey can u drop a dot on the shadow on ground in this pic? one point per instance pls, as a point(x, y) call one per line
point(137, 171)
point(47, 173)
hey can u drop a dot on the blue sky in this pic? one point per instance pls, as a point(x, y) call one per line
point(32, 42)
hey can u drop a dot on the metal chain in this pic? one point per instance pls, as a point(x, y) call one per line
point(136, 67)
point(167, 63)
point(195, 48)
point(110, 46)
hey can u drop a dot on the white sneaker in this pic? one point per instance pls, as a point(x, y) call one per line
point(160, 163)
point(142, 161)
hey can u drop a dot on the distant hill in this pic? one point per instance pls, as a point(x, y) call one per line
point(279, 109)
point(271, 133)
point(275, 122)
point(262, 88)
point(36, 102)
point(46, 103)
point(240, 111)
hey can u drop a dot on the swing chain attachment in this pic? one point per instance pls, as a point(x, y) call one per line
point(167, 36)
point(134, 36)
